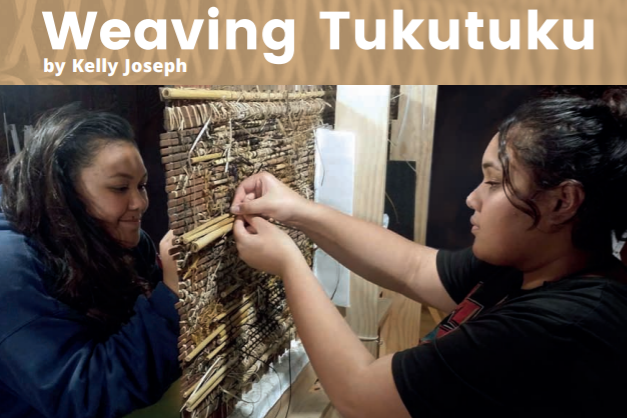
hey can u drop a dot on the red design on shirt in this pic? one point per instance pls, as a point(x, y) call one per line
point(466, 310)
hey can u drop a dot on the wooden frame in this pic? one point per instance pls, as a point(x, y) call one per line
point(391, 323)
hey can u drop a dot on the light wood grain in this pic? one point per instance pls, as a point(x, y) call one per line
point(408, 124)
point(308, 400)
point(435, 314)
point(383, 309)
point(364, 110)
point(423, 164)
point(402, 328)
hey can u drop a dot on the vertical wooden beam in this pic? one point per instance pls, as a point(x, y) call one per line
point(364, 110)
point(423, 163)
point(414, 142)
point(408, 124)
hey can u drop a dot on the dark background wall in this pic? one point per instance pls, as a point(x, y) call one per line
point(140, 105)
point(466, 118)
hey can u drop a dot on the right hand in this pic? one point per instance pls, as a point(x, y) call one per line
point(265, 247)
point(170, 274)
point(265, 195)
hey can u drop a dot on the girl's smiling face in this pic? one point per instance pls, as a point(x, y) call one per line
point(113, 188)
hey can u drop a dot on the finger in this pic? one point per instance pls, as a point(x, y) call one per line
point(239, 229)
point(249, 226)
point(259, 223)
point(167, 241)
point(247, 186)
point(259, 187)
point(169, 234)
point(252, 207)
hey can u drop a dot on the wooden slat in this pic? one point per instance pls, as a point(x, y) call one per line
point(308, 400)
point(383, 309)
point(402, 329)
point(364, 110)
point(423, 165)
point(416, 106)
point(435, 314)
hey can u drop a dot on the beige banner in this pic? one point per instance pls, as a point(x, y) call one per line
point(26, 43)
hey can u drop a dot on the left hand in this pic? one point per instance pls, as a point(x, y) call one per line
point(170, 274)
point(265, 247)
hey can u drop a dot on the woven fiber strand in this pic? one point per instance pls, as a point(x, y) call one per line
point(234, 320)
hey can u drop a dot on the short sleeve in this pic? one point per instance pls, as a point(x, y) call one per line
point(514, 361)
point(461, 270)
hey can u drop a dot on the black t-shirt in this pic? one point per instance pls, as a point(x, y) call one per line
point(559, 350)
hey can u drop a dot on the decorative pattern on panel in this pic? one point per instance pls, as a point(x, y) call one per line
point(234, 320)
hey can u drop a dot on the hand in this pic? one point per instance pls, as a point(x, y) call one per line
point(170, 275)
point(265, 247)
point(265, 195)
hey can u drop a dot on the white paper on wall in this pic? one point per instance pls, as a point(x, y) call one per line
point(334, 186)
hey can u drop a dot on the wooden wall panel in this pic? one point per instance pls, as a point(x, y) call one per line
point(364, 110)
point(414, 142)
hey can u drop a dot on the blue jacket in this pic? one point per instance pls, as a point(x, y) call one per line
point(54, 362)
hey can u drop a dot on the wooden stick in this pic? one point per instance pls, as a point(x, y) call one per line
point(209, 238)
point(232, 307)
point(185, 237)
point(230, 290)
point(211, 228)
point(210, 357)
point(206, 157)
point(169, 93)
point(204, 343)
point(222, 328)
point(202, 393)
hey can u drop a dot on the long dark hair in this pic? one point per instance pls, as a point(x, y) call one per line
point(570, 137)
point(90, 270)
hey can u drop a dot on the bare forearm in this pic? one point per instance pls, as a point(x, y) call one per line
point(376, 254)
point(335, 352)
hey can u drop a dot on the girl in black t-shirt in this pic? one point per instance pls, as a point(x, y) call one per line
point(538, 306)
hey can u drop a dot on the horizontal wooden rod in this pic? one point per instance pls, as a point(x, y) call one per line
point(185, 238)
point(212, 236)
point(208, 230)
point(169, 93)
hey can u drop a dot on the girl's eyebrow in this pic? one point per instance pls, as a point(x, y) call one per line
point(490, 164)
point(128, 176)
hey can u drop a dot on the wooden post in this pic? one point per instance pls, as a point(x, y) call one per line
point(412, 140)
point(364, 110)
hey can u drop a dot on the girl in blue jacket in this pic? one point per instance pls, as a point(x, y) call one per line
point(88, 325)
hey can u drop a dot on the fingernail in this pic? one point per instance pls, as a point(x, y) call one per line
point(235, 209)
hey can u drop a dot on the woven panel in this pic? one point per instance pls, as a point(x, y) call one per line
point(234, 320)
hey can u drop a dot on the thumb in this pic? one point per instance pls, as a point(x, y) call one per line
point(258, 223)
point(251, 207)
point(239, 229)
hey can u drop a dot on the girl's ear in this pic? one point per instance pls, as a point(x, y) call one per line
point(564, 201)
